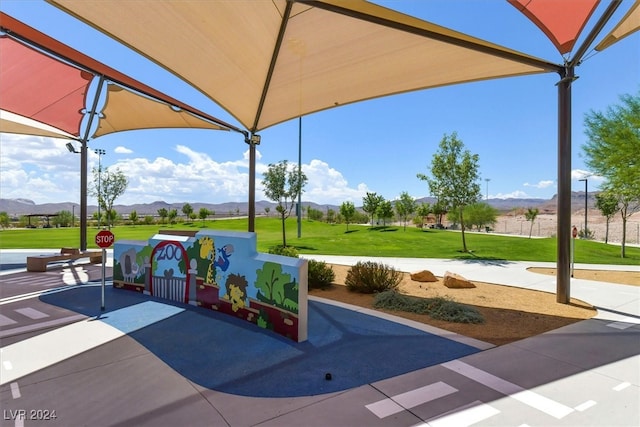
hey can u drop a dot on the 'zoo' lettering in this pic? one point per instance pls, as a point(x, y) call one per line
point(169, 252)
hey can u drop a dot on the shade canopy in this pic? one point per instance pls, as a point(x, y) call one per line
point(48, 82)
point(628, 25)
point(562, 21)
point(266, 62)
point(14, 123)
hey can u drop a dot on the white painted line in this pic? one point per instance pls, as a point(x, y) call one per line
point(46, 349)
point(4, 320)
point(19, 422)
point(530, 398)
point(15, 391)
point(384, 408)
point(410, 399)
point(41, 325)
point(620, 325)
point(586, 405)
point(622, 386)
point(31, 313)
point(464, 416)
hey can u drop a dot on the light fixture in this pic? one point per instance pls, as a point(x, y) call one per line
point(71, 148)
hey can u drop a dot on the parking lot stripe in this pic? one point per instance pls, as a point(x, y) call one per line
point(31, 313)
point(410, 399)
point(464, 416)
point(15, 391)
point(530, 398)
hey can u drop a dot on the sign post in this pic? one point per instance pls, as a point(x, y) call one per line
point(574, 234)
point(104, 239)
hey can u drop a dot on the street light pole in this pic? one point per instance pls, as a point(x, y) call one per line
point(100, 152)
point(487, 179)
point(586, 199)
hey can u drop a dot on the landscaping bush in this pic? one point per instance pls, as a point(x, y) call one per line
point(284, 250)
point(321, 275)
point(437, 308)
point(371, 277)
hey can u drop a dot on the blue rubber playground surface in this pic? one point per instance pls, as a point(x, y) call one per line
point(232, 356)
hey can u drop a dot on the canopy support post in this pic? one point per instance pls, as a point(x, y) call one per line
point(84, 157)
point(563, 278)
point(253, 140)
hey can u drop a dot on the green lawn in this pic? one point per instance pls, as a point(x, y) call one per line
point(322, 238)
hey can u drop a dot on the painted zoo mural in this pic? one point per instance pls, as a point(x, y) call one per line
point(218, 270)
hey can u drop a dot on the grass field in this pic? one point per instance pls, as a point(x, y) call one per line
point(362, 240)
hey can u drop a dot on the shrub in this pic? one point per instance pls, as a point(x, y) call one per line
point(371, 277)
point(320, 274)
point(284, 250)
point(438, 308)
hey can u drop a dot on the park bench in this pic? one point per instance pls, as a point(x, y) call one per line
point(39, 262)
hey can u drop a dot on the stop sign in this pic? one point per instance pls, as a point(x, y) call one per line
point(104, 238)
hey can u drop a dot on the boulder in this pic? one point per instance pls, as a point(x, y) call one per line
point(455, 281)
point(423, 276)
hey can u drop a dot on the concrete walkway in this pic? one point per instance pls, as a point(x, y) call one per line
point(584, 374)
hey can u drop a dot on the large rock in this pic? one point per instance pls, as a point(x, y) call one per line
point(424, 276)
point(455, 281)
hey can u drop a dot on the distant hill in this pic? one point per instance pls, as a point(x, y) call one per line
point(17, 207)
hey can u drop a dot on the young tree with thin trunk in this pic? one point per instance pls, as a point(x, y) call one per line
point(531, 215)
point(608, 206)
point(283, 185)
point(454, 178)
point(108, 186)
point(405, 207)
point(348, 211)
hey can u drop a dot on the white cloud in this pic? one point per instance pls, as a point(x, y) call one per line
point(577, 174)
point(122, 150)
point(43, 170)
point(541, 184)
point(513, 195)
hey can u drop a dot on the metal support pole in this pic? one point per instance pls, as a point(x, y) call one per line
point(563, 285)
point(252, 140)
point(83, 195)
point(299, 176)
point(104, 262)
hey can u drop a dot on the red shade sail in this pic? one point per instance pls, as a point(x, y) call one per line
point(561, 20)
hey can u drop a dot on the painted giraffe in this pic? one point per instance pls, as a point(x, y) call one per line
point(207, 252)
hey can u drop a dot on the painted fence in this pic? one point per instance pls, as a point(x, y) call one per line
point(218, 270)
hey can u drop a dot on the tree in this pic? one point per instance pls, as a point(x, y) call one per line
point(423, 212)
point(370, 204)
point(187, 210)
point(481, 215)
point(133, 217)
point(331, 216)
point(163, 214)
point(347, 210)
point(108, 186)
point(385, 211)
point(4, 219)
point(173, 214)
point(531, 214)
point(611, 151)
point(405, 207)
point(203, 214)
point(455, 177)
point(608, 206)
point(63, 219)
point(283, 185)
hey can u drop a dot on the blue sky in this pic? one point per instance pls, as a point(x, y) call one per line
point(376, 146)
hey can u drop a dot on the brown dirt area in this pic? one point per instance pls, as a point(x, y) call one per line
point(510, 313)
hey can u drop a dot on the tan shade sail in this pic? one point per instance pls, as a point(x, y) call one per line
point(14, 123)
point(127, 110)
point(266, 62)
point(629, 24)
